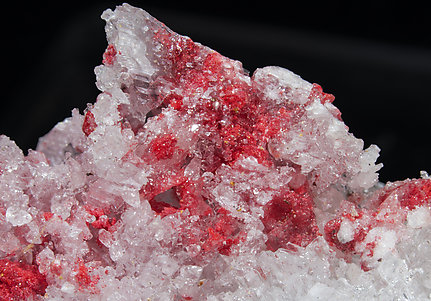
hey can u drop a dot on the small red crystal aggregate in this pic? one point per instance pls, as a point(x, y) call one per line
point(48, 215)
point(109, 55)
point(289, 219)
point(102, 220)
point(317, 93)
point(89, 124)
point(84, 277)
point(408, 195)
point(20, 281)
point(333, 226)
point(163, 147)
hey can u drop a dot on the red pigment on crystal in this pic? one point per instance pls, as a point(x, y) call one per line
point(317, 93)
point(213, 231)
point(102, 220)
point(20, 281)
point(47, 215)
point(109, 55)
point(161, 183)
point(222, 235)
point(163, 147)
point(239, 136)
point(410, 194)
point(83, 277)
point(289, 218)
point(415, 193)
point(89, 124)
point(180, 51)
point(189, 194)
point(331, 230)
point(370, 247)
point(174, 100)
point(95, 211)
point(56, 269)
point(269, 126)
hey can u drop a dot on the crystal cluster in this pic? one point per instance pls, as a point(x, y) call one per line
point(188, 179)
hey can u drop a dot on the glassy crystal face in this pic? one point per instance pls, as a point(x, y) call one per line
point(189, 179)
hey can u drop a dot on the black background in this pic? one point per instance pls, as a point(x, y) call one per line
point(375, 58)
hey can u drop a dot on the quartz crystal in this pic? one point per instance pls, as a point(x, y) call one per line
point(189, 179)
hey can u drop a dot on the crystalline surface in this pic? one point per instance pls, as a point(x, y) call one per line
point(188, 179)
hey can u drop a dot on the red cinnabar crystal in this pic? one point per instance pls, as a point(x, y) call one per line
point(89, 124)
point(163, 147)
point(20, 281)
point(109, 55)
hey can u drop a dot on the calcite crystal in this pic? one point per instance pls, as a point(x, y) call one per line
point(188, 179)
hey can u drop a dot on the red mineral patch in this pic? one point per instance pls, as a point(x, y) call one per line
point(317, 93)
point(20, 281)
point(84, 278)
point(102, 220)
point(333, 227)
point(89, 124)
point(109, 55)
point(415, 193)
point(47, 215)
point(163, 147)
point(289, 219)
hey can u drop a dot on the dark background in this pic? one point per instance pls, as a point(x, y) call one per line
point(375, 58)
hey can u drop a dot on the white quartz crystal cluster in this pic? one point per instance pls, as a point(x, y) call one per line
point(83, 205)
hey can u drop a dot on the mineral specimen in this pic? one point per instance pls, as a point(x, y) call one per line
point(190, 180)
